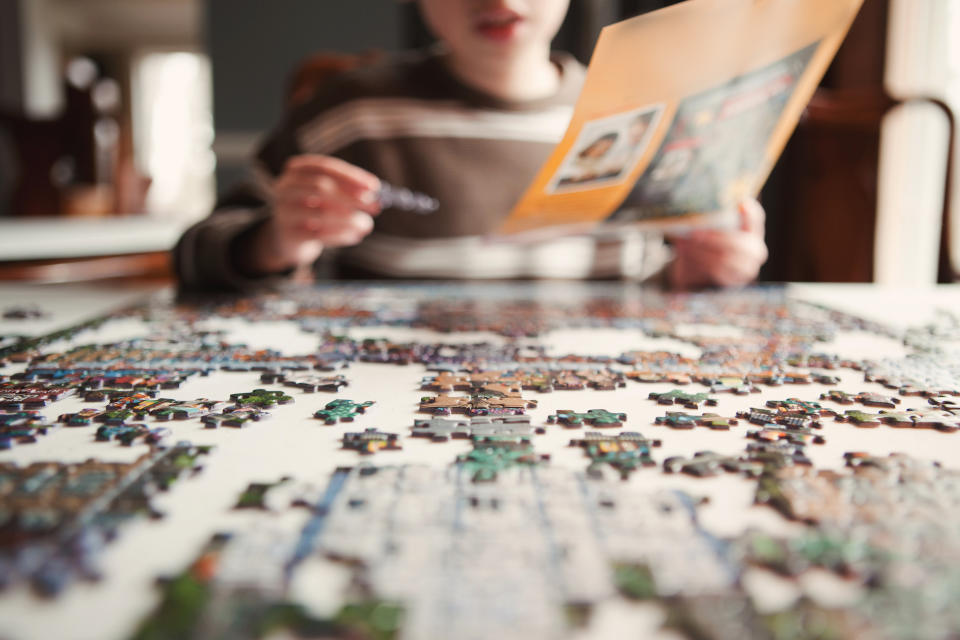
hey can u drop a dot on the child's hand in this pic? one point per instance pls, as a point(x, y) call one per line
point(721, 257)
point(319, 202)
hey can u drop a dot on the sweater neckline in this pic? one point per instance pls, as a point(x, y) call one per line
point(572, 75)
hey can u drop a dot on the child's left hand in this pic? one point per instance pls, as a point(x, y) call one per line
point(721, 257)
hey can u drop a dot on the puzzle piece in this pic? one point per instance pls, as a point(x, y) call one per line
point(18, 419)
point(794, 412)
point(185, 410)
point(825, 379)
point(441, 429)
point(599, 379)
point(945, 403)
point(736, 385)
point(716, 422)
point(680, 420)
point(26, 396)
point(838, 396)
point(236, 417)
point(342, 410)
point(776, 455)
point(260, 398)
point(478, 404)
point(807, 407)
point(21, 427)
point(707, 463)
point(593, 417)
point(688, 400)
point(255, 495)
point(921, 419)
point(659, 377)
point(871, 399)
point(126, 434)
point(626, 452)
point(492, 454)
point(794, 435)
point(84, 504)
point(862, 459)
point(370, 441)
point(677, 420)
point(446, 382)
point(909, 389)
point(306, 382)
point(779, 378)
point(81, 418)
point(759, 416)
point(112, 395)
point(859, 418)
point(24, 313)
point(139, 403)
point(85, 417)
point(115, 416)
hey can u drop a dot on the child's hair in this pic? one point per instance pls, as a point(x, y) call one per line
point(605, 138)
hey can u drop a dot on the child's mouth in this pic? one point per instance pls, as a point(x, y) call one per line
point(500, 26)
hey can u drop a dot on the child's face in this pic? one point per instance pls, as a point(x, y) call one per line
point(598, 149)
point(494, 28)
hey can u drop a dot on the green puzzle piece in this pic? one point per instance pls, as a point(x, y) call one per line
point(342, 410)
point(260, 398)
point(678, 396)
point(595, 417)
point(859, 418)
point(492, 454)
point(677, 420)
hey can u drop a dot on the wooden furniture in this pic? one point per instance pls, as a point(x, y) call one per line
point(140, 267)
point(76, 250)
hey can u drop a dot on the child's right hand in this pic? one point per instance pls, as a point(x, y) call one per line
point(319, 202)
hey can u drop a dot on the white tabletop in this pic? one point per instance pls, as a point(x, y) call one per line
point(52, 238)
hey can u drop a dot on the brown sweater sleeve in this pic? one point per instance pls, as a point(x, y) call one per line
point(206, 257)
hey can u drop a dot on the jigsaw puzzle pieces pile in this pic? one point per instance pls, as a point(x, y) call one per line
point(557, 488)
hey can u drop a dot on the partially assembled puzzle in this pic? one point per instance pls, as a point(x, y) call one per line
point(483, 461)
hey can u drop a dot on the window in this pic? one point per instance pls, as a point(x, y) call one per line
point(173, 131)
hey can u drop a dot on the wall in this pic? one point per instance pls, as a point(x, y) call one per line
point(11, 55)
point(42, 92)
point(255, 45)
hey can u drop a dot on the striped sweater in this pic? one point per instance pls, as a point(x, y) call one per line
point(412, 123)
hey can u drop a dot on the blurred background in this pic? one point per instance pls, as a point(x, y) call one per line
point(120, 120)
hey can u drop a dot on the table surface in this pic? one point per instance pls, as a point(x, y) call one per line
point(55, 238)
point(295, 445)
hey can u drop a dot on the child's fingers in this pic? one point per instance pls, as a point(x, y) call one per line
point(714, 242)
point(350, 177)
point(321, 201)
point(731, 259)
point(752, 216)
point(341, 231)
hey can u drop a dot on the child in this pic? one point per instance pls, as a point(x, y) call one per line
point(469, 124)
